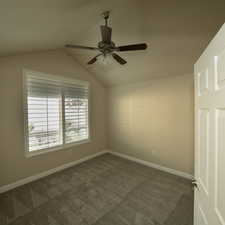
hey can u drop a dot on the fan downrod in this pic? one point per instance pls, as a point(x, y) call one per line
point(105, 15)
point(106, 46)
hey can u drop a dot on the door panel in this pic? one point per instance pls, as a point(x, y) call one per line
point(220, 70)
point(201, 217)
point(204, 149)
point(210, 133)
point(219, 163)
point(203, 79)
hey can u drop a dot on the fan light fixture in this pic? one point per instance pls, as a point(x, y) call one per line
point(107, 48)
point(105, 59)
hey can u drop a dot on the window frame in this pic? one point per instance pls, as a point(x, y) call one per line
point(26, 73)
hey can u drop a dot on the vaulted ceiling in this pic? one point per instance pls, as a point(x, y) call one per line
point(176, 32)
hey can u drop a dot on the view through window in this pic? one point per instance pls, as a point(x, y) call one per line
point(56, 111)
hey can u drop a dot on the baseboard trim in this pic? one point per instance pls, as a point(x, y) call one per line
point(21, 182)
point(153, 165)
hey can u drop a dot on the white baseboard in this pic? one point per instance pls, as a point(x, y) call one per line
point(18, 183)
point(153, 165)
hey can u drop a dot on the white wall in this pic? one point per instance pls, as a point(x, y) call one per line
point(151, 120)
point(154, 121)
point(13, 164)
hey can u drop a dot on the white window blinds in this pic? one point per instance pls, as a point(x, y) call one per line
point(56, 111)
point(76, 113)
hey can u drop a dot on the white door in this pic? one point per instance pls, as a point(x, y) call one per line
point(210, 134)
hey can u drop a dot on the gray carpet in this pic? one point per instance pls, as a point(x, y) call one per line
point(107, 190)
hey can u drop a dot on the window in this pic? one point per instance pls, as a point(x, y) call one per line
point(56, 112)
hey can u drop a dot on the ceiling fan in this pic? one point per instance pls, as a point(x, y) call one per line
point(107, 47)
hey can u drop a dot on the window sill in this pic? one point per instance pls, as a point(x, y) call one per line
point(56, 148)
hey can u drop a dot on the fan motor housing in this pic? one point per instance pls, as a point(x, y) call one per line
point(105, 47)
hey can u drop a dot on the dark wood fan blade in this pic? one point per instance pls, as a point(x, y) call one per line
point(106, 34)
point(81, 47)
point(93, 60)
point(135, 47)
point(119, 59)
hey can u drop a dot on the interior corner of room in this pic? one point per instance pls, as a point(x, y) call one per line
point(131, 119)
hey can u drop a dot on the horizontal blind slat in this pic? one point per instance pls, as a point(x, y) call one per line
point(44, 111)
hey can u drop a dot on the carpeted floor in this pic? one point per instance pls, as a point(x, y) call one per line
point(107, 190)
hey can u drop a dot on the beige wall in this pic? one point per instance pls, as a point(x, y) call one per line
point(154, 121)
point(150, 120)
point(13, 164)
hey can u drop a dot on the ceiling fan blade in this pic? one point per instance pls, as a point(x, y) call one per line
point(134, 47)
point(81, 47)
point(106, 34)
point(93, 60)
point(119, 59)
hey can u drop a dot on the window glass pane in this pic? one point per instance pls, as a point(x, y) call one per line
point(44, 113)
point(76, 119)
point(56, 111)
point(44, 122)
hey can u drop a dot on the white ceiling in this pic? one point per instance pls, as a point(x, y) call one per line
point(176, 32)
